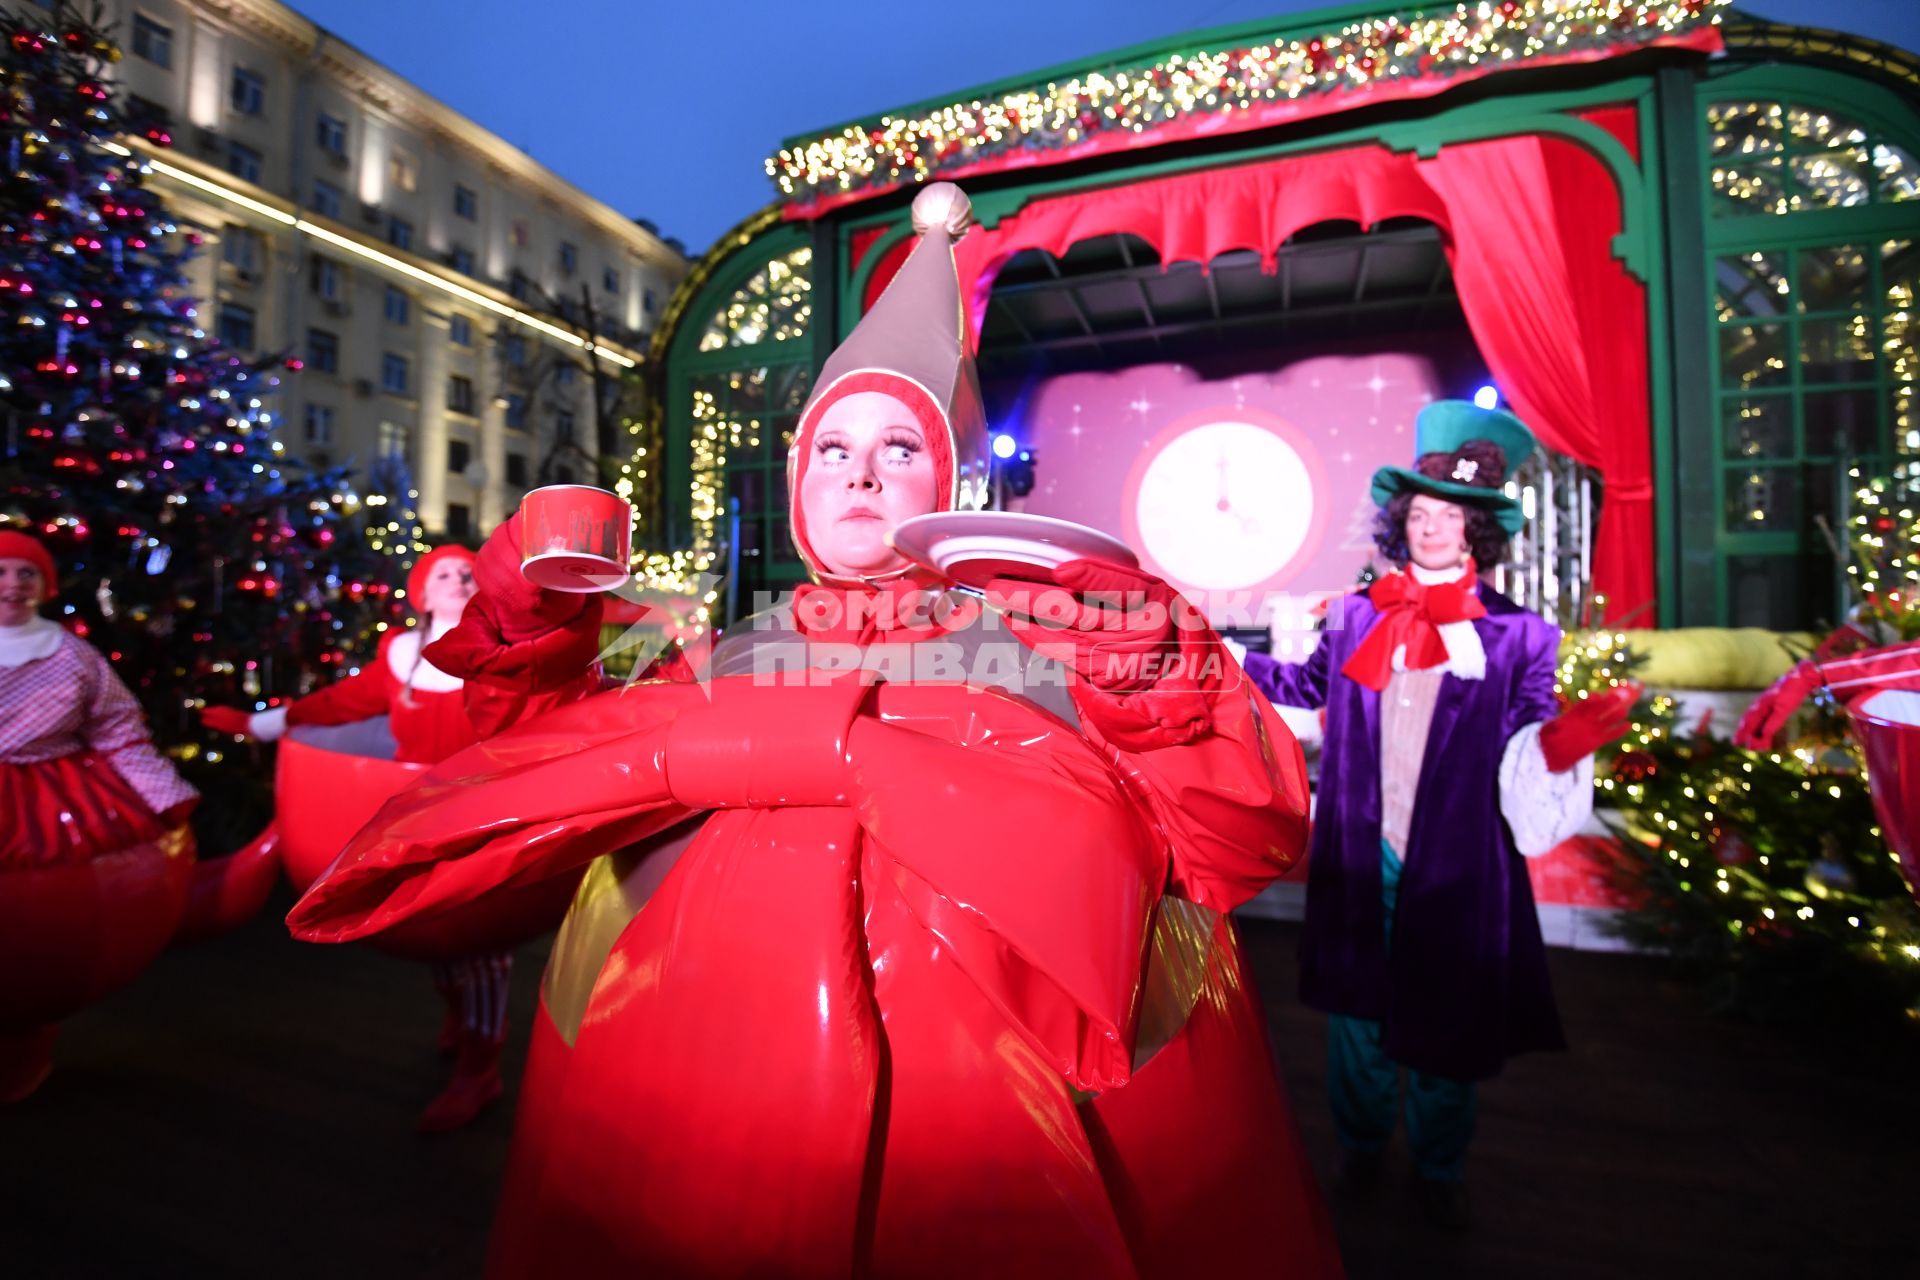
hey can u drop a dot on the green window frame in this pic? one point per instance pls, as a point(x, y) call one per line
point(1812, 230)
point(739, 375)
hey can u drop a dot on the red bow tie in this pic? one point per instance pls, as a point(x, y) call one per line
point(1411, 614)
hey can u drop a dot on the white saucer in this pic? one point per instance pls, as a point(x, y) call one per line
point(974, 547)
point(572, 571)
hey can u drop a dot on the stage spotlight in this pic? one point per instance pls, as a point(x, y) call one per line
point(1487, 397)
point(1005, 446)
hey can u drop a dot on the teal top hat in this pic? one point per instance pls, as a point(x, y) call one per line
point(1446, 426)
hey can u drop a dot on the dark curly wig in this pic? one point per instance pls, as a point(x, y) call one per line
point(1486, 540)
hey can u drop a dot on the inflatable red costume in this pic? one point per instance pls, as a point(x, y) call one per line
point(96, 860)
point(876, 975)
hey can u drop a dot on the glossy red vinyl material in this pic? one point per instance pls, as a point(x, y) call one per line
point(73, 932)
point(323, 797)
point(1893, 772)
point(844, 1033)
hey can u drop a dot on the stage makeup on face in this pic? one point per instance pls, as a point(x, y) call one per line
point(1436, 532)
point(448, 589)
point(21, 589)
point(868, 469)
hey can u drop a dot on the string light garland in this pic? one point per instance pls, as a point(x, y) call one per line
point(1212, 90)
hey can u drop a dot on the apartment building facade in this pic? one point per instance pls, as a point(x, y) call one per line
point(448, 299)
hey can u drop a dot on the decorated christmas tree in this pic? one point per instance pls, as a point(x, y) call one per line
point(202, 560)
point(1763, 875)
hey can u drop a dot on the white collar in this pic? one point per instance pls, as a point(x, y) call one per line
point(32, 640)
point(1434, 577)
point(421, 677)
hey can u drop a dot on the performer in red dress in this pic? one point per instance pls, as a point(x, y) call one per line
point(877, 972)
point(95, 856)
point(427, 715)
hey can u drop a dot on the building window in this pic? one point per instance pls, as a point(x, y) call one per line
point(319, 424)
point(519, 286)
point(610, 280)
point(1817, 355)
point(516, 348)
point(323, 351)
point(1788, 157)
point(399, 233)
point(459, 521)
point(646, 302)
point(774, 305)
point(248, 92)
point(459, 456)
point(393, 374)
point(519, 233)
point(460, 394)
point(460, 331)
point(403, 173)
point(569, 258)
point(394, 440)
point(517, 412)
point(326, 199)
point(324, 278)
point(330, 133)
point(243, 162)
point(517, 470)
point(565, 374)
point(563, 427)
point(461, 260)
point(236, 326)
point(466, 202)
point(240, 249)
point(152, 41)
point(399, 307)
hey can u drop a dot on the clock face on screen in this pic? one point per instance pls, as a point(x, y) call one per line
point(1224, 505)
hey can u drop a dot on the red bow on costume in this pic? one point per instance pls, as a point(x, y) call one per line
point(1411, 614)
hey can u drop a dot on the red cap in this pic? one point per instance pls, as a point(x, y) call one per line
point(24, 546)
point(423, 568)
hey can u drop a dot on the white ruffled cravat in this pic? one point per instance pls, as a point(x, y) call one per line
point(1466, 656)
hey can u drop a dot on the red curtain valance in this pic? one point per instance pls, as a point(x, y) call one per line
point(1528, 223)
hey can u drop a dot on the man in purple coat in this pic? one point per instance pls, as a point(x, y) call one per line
point(1446, 758)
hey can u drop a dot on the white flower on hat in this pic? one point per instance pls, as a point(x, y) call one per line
point(1465, 470)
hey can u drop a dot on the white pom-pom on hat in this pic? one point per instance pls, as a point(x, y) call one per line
point(942, 205)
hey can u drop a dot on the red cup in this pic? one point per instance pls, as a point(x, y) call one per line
point(574, 537)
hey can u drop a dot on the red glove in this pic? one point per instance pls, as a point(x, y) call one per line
point(1770, 710)
point(1101, 618)
point(226, 720)
point(521, 610)
point(1586, 726)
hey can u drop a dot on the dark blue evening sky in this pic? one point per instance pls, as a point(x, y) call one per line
point(666, 109)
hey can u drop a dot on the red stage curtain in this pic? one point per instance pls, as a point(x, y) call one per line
point(1562, 325)
point(1528, 224)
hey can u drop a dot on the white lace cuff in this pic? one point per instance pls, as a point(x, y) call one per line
point(1542, 807)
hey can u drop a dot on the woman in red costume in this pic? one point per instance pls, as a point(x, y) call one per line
point(95, 854)
point(903, 949)
point(427, 715)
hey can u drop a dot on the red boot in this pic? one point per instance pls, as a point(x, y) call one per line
point(26, 1060)
point(475, 1083)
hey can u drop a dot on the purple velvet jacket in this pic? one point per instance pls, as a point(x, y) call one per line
point(1464, 984)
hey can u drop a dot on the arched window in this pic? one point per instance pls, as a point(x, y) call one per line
point(1812, 233)
point(1788, 157)
point(736, 395)
point(773, 305)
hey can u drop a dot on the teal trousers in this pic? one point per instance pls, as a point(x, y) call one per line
point(1363, 1084)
